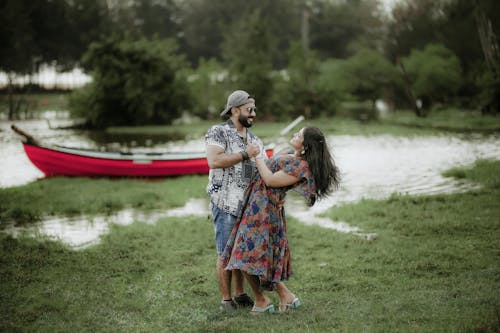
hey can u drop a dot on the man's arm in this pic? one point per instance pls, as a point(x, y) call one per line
point(217, 158)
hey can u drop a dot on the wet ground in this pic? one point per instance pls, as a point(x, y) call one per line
point(372, 167)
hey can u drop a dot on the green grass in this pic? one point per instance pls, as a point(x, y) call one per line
point(455, 120)
point(36, 102)
point(269, 131)
point(401, 123)
point(433, 268)
point(73, 196)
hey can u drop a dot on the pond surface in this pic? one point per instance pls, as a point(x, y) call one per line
point(372, 167)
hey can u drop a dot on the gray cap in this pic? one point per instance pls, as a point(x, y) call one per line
point(237, 98)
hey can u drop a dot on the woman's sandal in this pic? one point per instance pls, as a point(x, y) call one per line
point(256, 310)
point(286, 306)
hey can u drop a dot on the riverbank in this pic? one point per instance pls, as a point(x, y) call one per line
point(400, 123)
point(346, 121)
point(433, 267)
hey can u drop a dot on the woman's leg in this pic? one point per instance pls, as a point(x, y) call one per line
point(261, 300)
point(286, 296)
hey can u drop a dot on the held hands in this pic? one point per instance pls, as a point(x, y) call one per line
point(253, 149)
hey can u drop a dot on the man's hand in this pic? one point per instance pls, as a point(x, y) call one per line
point(253, 149)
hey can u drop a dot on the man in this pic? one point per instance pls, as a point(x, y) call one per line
point(231, 149)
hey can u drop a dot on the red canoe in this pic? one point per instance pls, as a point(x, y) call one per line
point(65, 161)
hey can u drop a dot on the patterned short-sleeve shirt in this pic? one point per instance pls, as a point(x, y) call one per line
point(226, 186)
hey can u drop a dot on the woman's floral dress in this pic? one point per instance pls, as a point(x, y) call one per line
point(258, 243)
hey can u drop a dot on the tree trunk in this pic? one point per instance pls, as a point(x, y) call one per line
point(490, 48)
point(413, 100)
point(305, 29)
point(487, 38)
point(11, 98)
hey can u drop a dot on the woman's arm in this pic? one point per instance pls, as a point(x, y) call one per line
point(277, 179)
point(284, 151)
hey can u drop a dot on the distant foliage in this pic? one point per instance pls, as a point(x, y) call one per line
point(369, 75)
point(435, 74)
point(303, 70)
point(247, 49)
point(134, 83)
point(489, 96)
point(208, 84)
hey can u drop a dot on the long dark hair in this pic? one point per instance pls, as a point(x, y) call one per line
point(325, 173)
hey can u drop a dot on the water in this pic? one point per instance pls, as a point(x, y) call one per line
point(16, 169)
point(80, 232)
point(372, 167)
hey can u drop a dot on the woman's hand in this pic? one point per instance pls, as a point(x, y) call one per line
point(253, 150)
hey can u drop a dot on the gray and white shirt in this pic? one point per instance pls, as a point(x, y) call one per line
point(226, 186)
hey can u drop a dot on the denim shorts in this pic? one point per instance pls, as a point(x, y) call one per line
point(223, 225)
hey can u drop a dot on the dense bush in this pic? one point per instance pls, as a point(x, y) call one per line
point(209, 88)
point(134, 83)
point(435, 74)
point(489, 96)
point(368, 76)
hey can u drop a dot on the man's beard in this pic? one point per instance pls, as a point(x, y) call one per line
point(244, 121)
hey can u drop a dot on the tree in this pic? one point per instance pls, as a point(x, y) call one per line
point(247, 50)
point(208, 85)
point(205, 24)
point(414, 24)
point(303, 72)
point(134, 83)
point(338, 29)
point(145, 18)
point(370, 75)
point(435, 74)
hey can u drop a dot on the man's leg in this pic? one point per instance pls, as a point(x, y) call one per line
point(241, 298)
point(224, 278)
point(223, 224)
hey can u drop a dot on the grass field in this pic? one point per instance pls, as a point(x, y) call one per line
point(433, 268)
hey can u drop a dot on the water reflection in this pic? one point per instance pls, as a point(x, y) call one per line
point(82, 231)
point(16, 169)
point(119, 141)
point(373, 167)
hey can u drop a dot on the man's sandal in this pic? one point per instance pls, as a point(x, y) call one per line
point(286, 306)
point(256, 310)
point(243, 301)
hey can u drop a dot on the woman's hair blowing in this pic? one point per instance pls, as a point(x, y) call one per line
point(325, 173)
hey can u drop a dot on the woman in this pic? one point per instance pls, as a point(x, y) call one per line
point(258, 245)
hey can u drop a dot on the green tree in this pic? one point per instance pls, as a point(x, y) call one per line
point(208, 85)
point(339, 29)
point(205, 24)
point(89, 20)
point(370, 75)
point(145, 18)
point(435, 74)
point(134, 83)
point(458, 25)
point(414, 24)
point(247, 51)
point(303, 73)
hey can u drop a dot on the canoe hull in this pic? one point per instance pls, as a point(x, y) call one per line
point(58, 163)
